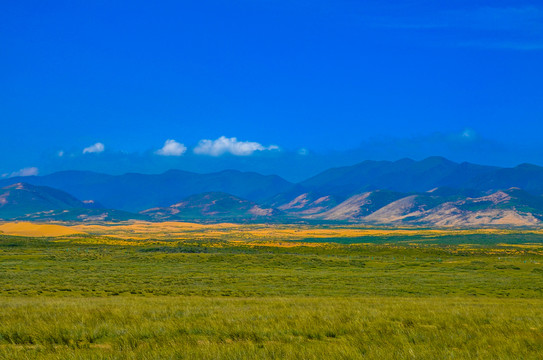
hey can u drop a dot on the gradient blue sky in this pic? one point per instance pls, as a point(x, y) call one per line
point(341, 80)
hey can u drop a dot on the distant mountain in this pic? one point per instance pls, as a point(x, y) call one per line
point(431, 192)
point(20, 199)
point(407, 209)
point(23, 201)
point(357, 207)
point(405, 175)
point(213, 206)
point(78, 214)
point(525, 176)
point(420, 176)
point(136, 192)
point(300, 203)
point(512, 207)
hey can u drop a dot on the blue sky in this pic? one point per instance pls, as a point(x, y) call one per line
point(275, 86)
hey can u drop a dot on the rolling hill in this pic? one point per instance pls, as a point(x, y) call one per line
point(358, 206)
point(23, 201)
point(20, 199)
point(512, 207)
point(213, 206)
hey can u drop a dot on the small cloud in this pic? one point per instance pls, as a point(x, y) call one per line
point(29, 171)
point(60, 153)
point(96, 148)
point(303, 151)
point(225, 145)
point(171, 148)
point(466, 135)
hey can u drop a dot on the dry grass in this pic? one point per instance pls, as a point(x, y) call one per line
point(38, 230)
point(268, 233)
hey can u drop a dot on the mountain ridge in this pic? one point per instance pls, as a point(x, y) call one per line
point(433, 191)
point(135, 192)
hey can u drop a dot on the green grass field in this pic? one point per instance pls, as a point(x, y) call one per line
point(271, 327)
point(452, 297)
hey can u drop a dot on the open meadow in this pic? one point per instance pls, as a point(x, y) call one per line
point(225, 291)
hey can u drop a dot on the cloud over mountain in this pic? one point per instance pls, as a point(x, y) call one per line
point(96, 148)
point(171, 148)
point(28, 171)
point(232, 146)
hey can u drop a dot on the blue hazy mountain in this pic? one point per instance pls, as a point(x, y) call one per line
point(432, 191)
point(22, 201)
point(404, 175)
point(137, 192)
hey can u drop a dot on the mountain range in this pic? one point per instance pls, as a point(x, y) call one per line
point(431, 192)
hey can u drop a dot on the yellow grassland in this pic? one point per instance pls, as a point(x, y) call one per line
point(37, 230)
point(133, 232)
point(267, 232)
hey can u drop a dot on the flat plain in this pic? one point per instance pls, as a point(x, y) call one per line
point(226, 291)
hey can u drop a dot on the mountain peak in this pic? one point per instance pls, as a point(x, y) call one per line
point(20, 199)
point(406, 161)
point(437, 160)
point(527, 166)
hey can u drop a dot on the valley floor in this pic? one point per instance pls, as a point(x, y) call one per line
point(221, 295)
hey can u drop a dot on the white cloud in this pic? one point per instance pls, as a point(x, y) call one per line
point(29, 171)
point(468, 134)
point(225, 145)
point(171, 148)
point(96, 148)
point(60, 153)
